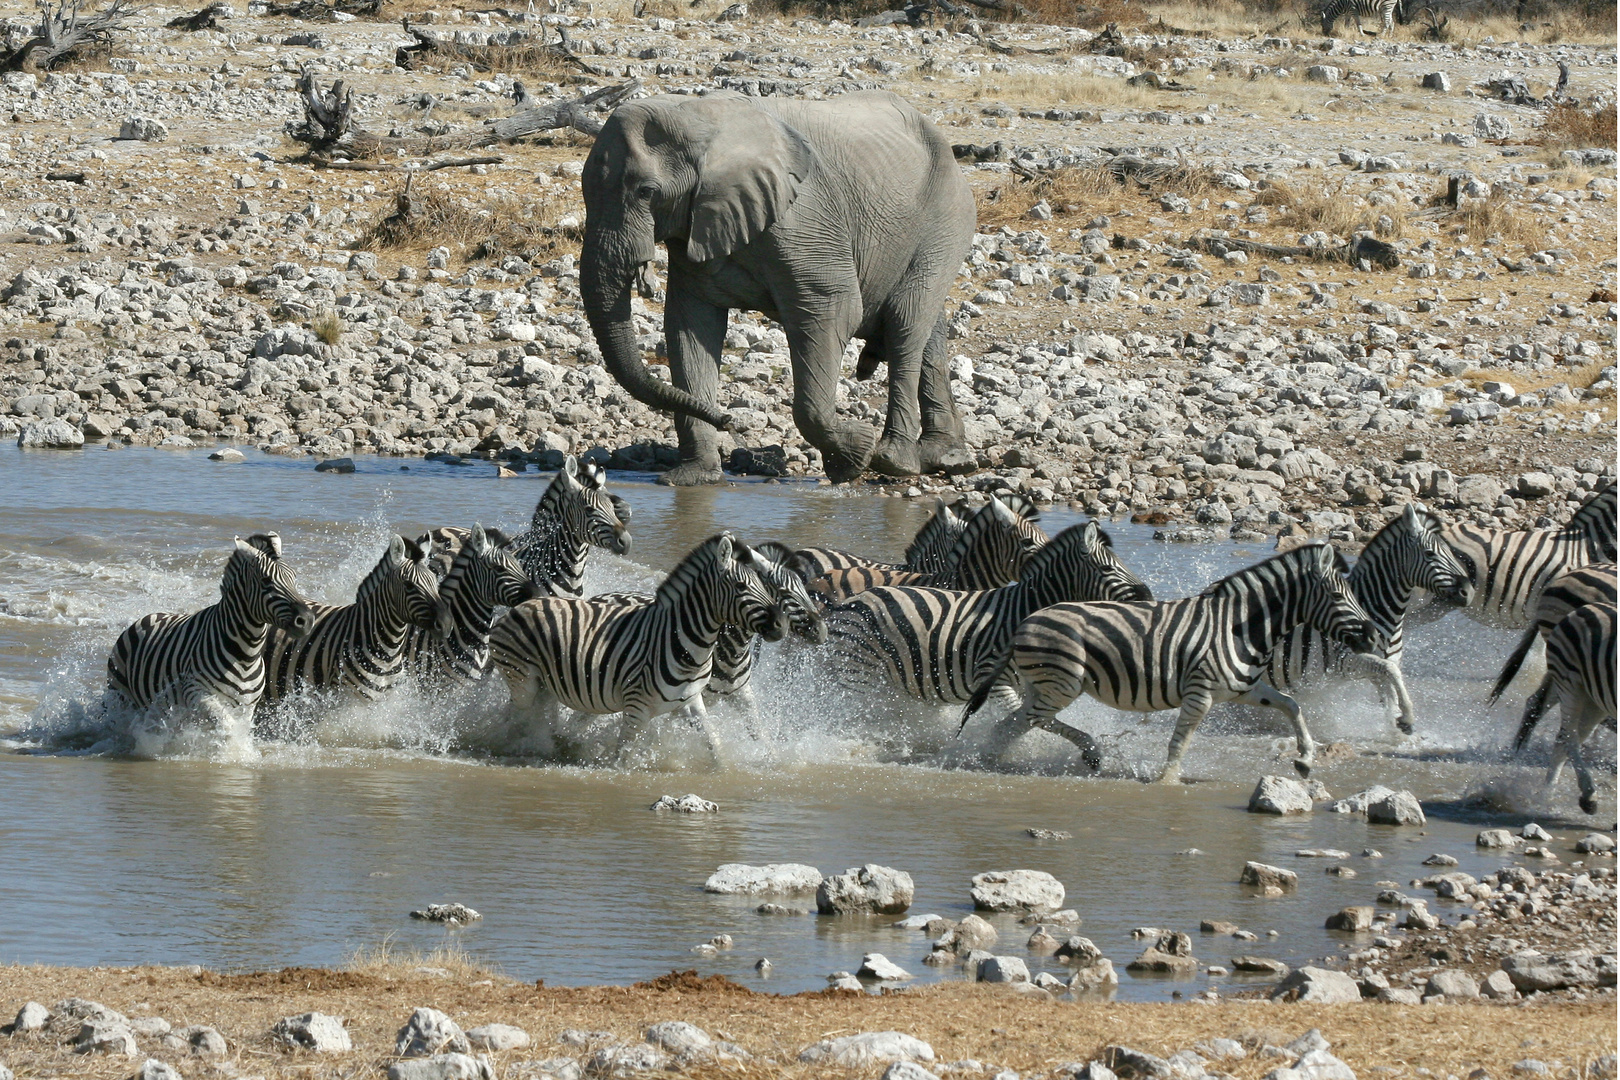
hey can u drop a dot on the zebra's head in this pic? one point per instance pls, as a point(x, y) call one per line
point(609, 524)
point(407, 575)
point(746, 600)
point(264, 585)
point(995, 544)
point(487, 568)
point(928, 550)
point(1430, 562)
point(803, 613)
point(1330, 604)
point(582, 514)
point(1078, 566)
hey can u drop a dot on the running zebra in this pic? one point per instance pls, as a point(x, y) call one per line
point(1405, 555)
point(1580, 664)
point(1384, 10)
point(362, 645)
point(989, 552)
point(733, 666)
point(938, 645)
point(641, 660)
point(1177, 654)
point(1510, 567)
point(483, 575)
point(571, 516)
point(212, 661)
point(1593, 584)
point(924, 555)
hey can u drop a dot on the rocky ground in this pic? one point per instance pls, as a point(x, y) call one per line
point(196, 281)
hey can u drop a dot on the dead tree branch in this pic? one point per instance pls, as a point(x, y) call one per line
point(206, 18)
point(491, 57)
point(64, 30)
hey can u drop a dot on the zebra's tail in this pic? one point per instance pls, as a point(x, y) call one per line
point(1514, 662)
point(998, 667)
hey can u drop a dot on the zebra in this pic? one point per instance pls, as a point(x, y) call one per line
point(1184, 654)
point(1385, 10)
point(638, 659)
point(938, 645)
point(1509, 567)
point(733, 665)
point(571, 516)
point(989, 553)
point(1405, 555)
point(362, 645)
point(1580, 665)
point(212, 661)
point(924, 555)
point(1593, 584)
point(483, 575)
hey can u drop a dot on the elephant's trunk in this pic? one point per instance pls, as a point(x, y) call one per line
point(605, 284)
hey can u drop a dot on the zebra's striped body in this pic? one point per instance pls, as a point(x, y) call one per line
point(571, 516)
point(939, 645)
point(1177, 654)
point(212, 661)
point(1509, 568)
point(1593, 584)
point(640, 659)
point(1383, 10)
point(924, 555)
point(1407, 554)
point(482, 576)
point(361, 646)
point(1580, 665)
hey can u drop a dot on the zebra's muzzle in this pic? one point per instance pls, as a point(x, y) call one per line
point(1461, 593)
point(776, 624)
point(1360, 637)
point(621, 541)
point(300, 623)
point(444, 622)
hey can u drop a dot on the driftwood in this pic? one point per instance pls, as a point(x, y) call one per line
point(490, 57)
point(426, 166)
point(205, 19)
point(326, 116)
point(1361, 248)
point(313, 10)
point(63, 31)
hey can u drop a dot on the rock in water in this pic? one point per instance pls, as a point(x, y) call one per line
point(313, 1031)
point(1396, 808)
point(1017, 890)
point(336, 465)
point(449, 914)
point(686, 804)
point(877, 966)
point(1002, 969)
point(1279, 795)
point(1353, 919)
point(50, 435)
point(740, 878)
point(865, 888)
point(1317, 985)
point(1357, 803)
point(1270, 880)
point(430, 1032)
point(867, 1049)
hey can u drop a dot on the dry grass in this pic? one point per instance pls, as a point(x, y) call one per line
point(1572, 126)
point(1528, 382)
point(389, 960)
point(958, 1020)
point(1332, 210)
point(476, 228)
point(327, 326)
point(1495, 221)
point(1052, 90)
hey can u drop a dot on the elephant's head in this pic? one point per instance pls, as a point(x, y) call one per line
point(709, 173)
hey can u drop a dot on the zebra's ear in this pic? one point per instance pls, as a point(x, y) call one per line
point(1001, 512)
point(396, 549)
point(269, 543)
point(723, 546)
point(1410, 514)
point(422, 550)
point(479, 539)
point(571, 467)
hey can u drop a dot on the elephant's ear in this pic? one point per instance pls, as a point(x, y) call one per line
point(747, 178)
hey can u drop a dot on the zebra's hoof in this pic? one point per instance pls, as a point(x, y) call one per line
point(1588, 804)
point(1092, 759)
point(1302, 766)
point(1405, 727)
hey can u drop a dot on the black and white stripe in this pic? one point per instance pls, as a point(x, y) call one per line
point(924, 555)
point(361, 646)
point(571, 516)
point(1382, 10)
point(939, 645)
point(1509, 567)
point(638, 659)
point(1404, 556)
point(1177, 654)
point(1593, 584)
point(212, 661)
point(1580, 666)
point(482, 576)
point(734, 653)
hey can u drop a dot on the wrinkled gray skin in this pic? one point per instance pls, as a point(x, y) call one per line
point(838, 219)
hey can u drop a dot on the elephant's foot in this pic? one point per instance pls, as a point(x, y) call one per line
point(896, 457)
point(944, 452)
point(847, 458)
point(693, 474)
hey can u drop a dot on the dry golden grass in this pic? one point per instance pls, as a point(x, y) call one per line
point(1568, 125)
point(1513, 230)
point(1528, 382)
point(958, 1020)
point(327, 326)
point(474, 225)
point(1332, 210)
point(389, 960)
point(1074, 91)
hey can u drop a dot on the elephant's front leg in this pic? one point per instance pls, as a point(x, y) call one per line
point(817, 341)
point(694, 332)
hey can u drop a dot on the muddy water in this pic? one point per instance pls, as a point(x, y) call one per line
point(279, 854)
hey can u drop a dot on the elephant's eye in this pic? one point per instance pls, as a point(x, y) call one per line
point(646, 192)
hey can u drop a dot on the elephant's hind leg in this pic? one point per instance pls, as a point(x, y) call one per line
point(906, 330)
point(696, 332)
point(943, 443)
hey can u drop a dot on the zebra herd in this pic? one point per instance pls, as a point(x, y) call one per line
point(984, 607)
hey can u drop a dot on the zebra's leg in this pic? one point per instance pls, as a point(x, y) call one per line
point(1585, 719)
point(1006, 731)
point(1535, 707)
point(745, 703)
point(1272, 698)
point(1090, 753)
point(1194, 707)
point(1391, 685)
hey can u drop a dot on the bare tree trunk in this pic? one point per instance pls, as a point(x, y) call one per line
point(62, 31)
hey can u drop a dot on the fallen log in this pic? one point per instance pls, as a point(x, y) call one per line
point(1362, 248)
point(63, 32)
point(490, 57)
point(205, 19)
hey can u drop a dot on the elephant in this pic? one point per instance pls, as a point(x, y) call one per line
point(838, 219)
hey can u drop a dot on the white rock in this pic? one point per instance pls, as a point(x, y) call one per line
point(1279, 795)
point(1357, 803)
point(907, 1070)
point(498, 1037)
point(50, 435)
point(31, 1017)
point(1270, 880)
point(877, 966)
point(443, 1067)
point(626, 1059)
point(143, 129)
point(740, 878)
point(867, 1049)
point(151, 1069)
point(684, 1040)
point(1003, 969)
point(105, 1037)
point(430, 1032)
point(686, 804)
point(871, 888)
point(1396, 808)
point(1450, 983)
point(313, 1031)
point(1017, 890)
point(1317, 985)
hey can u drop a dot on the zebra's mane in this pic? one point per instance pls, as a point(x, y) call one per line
point(1244, 579)
point(1598, 509)
point(936, 535)
point(700, 559)
point(551, 505)
point(1428, 524)
point(378, 577)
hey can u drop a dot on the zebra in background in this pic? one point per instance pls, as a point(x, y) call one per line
point(939, 645)
point(1580, 666)
point(212, 661)
point(1593, 584)
point(990, 552)
point(570, 517)
point(362, 645)
point(1176, 654)
point(1509, 567)
point(639, 659)
point(1406, 555)
point(1385, 11)
point(733, 666)
point(482, 575)
point(924, 555)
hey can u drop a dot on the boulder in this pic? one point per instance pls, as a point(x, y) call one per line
point(687, 1042)
point(877, 966)
point(1532, 971)
point(865, 888)
point(686, 804)
point(50, 435)
point(105, 1037)
point(1450, 983)
point(1399, 995)
point(1270, 880)
point(1002, 969)
point(1354, 919)
point(1263, 964)
point(151, 1069)
point(1437, 80)
point(1595, 844)
point(907, 1070)
point(313, 1031)
point(143, 129)
point(1496, 838)
point(742, 879)
point(1319, 985)
point(1099, 972)
point(1357, 803)
point(626, 1059)
point(1017, 890)
point(230, 455)
point(430, 1032)
point(867, 1049)
point(1158, 961)
point(31, 1017)
point(1315, 1065)
point(498, 1037)
point(442, 1067)
point(335, 465)
point(1498, 985)
point(1279, 795)
point(1396, 808)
